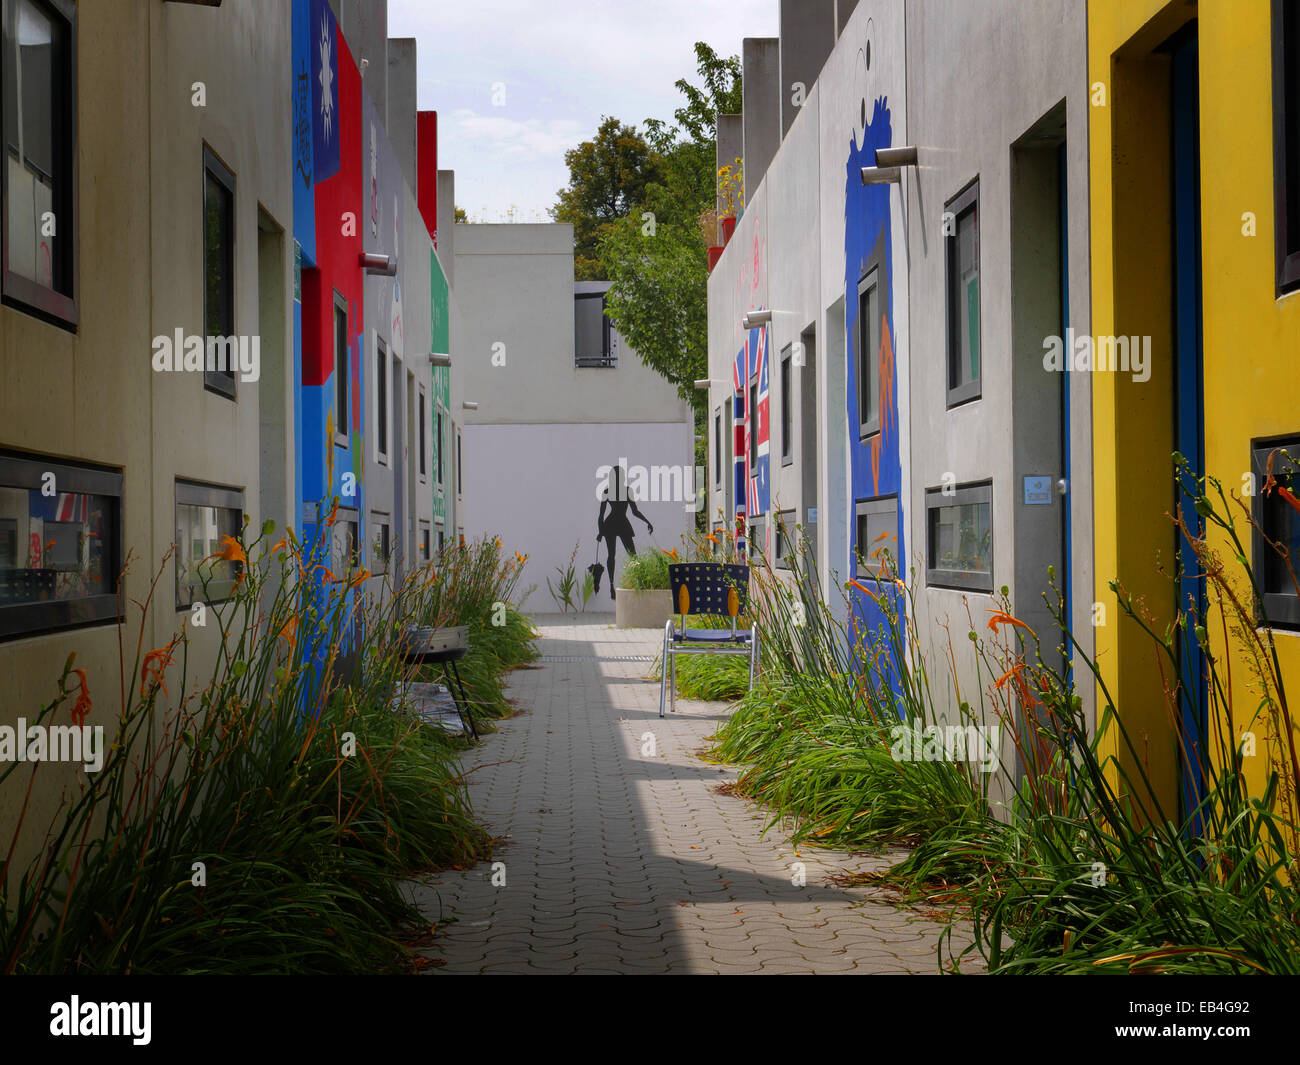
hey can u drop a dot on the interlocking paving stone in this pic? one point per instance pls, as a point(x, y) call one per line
point(619, 860)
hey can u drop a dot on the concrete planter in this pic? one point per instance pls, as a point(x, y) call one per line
point(636, 609)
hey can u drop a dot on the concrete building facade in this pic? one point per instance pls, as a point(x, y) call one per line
point(561, 401)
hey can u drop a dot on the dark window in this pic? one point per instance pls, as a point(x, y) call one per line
point(877, 537)
point(593, 334)
point(437, 447)
point(218, 275)
point(441, 538)
point(381, 400)
point(382, 544)
point(342, 372)
point(757, 537)
point(962, 242)
point(959, 537)
point(60, 545)
point(204, 515)
point(460, 451)
point(868, 367)
point(717, 447)
point(1286, 141)
point(424, 543)
point(1277, 520)
point(38, 92)
point(785, 537)
point(346, 544)
point(787, 409)
point(753, 426)
point(424, 450)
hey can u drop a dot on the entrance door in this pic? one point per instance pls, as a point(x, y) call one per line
point(1189, 399)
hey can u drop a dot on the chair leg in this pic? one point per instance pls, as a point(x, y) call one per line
point(672, 686)
point(663, 672)
point(753, 658)
point(462, 705)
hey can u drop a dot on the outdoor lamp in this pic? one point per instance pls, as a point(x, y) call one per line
point(469, 405)
point(373, 262)
point(439, 359)
point(704, 383)
point(896, 157)
point(752, 319)
point(882, 175)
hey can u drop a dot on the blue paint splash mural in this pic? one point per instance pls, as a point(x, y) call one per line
point(875, 462)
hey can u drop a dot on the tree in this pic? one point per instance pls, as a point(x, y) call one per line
point(657, 256)
point(608, 176)
point(460, 215)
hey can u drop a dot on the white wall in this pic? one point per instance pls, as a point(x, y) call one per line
point(535, 486)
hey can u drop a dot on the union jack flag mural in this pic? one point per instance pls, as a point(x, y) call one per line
point(752, 478)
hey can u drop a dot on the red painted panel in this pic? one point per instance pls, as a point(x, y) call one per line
point(426, 150)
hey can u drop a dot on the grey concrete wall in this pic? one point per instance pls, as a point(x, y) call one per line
point(761, 63)
point(808, 32)
point(730, 134)
point(402, 105)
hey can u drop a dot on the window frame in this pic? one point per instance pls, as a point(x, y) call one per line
point(608, 358)
point(755, 530)
point(974, 492)
point(422, 423)
point(1286, 145)
point(383, 402)
point(717, 447)
point(868, 368)
point(1283, 608)
point(51, 305)
point(437, 445)
point(342, 372)
point(21, 620)
point(220, 382)
point(963, 203)
point(190, 493)
point(785, 521)
point(751, 424)
point(861, 509)
point(787, 406)
point(382, 548)
point(460, 469)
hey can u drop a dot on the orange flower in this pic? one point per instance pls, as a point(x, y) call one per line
point(859, 587)
point(1014, 671)
point(519, 557)
point(49, 546)
point(82, 706)
point(712, 538)
point(155, 662)
point(882, 536)
point(329, 521)
point(230, 550)
point(361, 577)
point(1001, 617)
point(672, 551)
point(280, 546)
point(290, 630)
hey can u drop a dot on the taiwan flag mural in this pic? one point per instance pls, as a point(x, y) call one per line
point(326, 127)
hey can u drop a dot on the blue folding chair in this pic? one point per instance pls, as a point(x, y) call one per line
point(713, 588)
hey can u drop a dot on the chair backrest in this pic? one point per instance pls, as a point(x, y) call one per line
point(708, 586)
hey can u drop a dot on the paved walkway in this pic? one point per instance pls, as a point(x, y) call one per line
point(619, 860)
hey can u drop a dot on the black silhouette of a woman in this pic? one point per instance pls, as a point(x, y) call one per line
point(616, 525)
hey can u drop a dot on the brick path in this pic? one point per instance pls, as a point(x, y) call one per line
point(616, 862)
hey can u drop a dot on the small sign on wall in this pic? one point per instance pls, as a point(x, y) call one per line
point(812, 515)
point(1038, 491)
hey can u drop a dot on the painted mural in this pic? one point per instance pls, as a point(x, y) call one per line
point(751, 389)
point(875, 460)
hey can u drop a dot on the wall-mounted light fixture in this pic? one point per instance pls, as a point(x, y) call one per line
point(470, 405)
point(704, 383)
point(753, 319)
point(882, 175)
point(437, 358)
point(887, 157)
point(372, 262)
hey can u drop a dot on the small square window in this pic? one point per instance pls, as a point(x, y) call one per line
point(786, 535)
point(959, 537)
point(876, 531)
point(381, 542)
point(346, 543)
point(38, 91)
point(60, 545)
point(963, 278)
point(204, 515)
point(1278, 521)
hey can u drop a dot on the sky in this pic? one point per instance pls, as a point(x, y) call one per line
point(518, 82)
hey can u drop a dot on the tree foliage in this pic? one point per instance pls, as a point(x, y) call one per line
point(608, 177)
